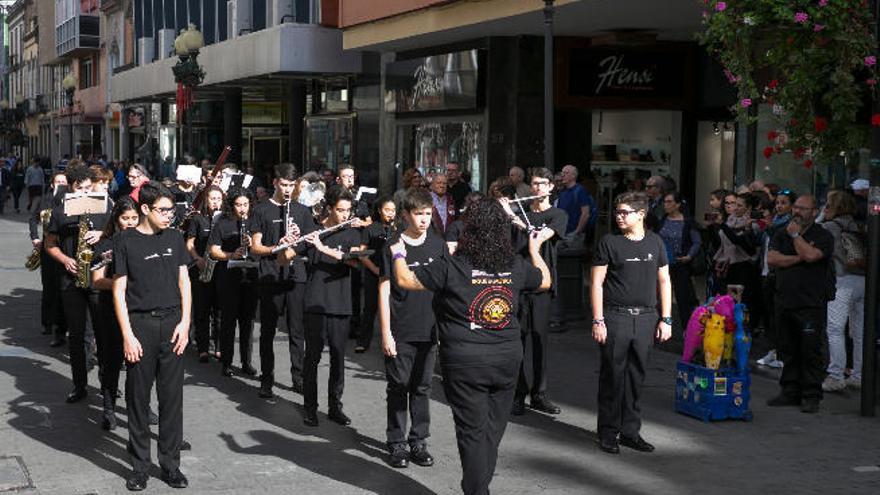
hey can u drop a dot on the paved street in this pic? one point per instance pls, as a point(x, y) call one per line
point(242, 444)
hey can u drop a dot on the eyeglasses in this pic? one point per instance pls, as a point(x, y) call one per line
point(163, 210)
point(623, 213)
point(540, 183)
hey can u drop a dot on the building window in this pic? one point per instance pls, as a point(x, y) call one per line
point(87, 73)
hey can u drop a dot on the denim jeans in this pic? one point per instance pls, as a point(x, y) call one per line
point(849, 305)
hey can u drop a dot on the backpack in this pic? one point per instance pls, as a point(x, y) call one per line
point(854, 242)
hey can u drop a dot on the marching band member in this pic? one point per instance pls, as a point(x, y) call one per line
point(229, 241)
point(205, 292)
point(374, 237)
point(51, 314)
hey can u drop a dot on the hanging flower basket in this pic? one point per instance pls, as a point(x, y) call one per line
point(814, 62)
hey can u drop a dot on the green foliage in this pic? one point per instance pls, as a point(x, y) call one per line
point(813, 61)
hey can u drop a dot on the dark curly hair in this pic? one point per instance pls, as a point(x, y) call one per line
point(485, 238)
point(233, 194)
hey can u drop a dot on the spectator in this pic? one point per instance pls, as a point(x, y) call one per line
point(444, 205)
point(16, 169)
point(328, 177)
point(860, 189)
point(801, 254)
point(518, 176)
point(656, 189)
point(411, 178)
point(682, 241)
point(579, 205)
point(137, 176)
point(784, 201)
point(34, 179)
point(735, 263)
point(457, 187)
point(849, 304)
point(711, 240)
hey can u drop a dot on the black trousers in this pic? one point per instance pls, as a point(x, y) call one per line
point(803, 347)
point(683, 287)
point(332, 329)
point(287, 298)
point(623, 358)
point(161, 364)
point(205, 300)
point(51, 309)
point(108, 339)
point(356, 286)
point(409, 389)
point(371, 309)
point(480, 398)
point(76, 308)
point(238, 304)
point(768, 292)
point(746, 274)
point(535, 320)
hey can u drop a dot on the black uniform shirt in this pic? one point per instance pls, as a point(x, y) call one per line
point(412, 312)
point(553, 218)
point(374, 237)
point(631, 280)
point(269, 219)
point(226, 233)
point(66, 227)
point(199, 228)
point(183, 200)
point(476, 311)
point(329, 287)
point(152, 264)
point(804, 285)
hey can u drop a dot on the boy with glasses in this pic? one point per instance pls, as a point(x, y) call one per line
point(628, 270)
point(151, 295)
point(535, 306)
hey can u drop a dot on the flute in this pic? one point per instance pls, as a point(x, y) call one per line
point(282, 247)
point(528, 198)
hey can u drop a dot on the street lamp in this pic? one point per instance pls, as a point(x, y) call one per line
point(188, 75)
point(69, 85)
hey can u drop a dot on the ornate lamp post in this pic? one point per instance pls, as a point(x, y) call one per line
point(69, 84)
point(188, 74)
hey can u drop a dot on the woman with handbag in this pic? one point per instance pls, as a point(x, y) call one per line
point(682, 241)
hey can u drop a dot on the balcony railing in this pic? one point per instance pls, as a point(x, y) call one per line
point(82, 32)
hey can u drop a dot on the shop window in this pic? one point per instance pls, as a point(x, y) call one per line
point(329, 142)
point(430, 146)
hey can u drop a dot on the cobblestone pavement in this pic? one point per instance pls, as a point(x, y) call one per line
point(242, 444)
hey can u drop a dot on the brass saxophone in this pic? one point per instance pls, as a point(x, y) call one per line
point(33, 259)
point(84, 254)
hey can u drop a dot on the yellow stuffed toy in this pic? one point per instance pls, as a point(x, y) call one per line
point(713, 341)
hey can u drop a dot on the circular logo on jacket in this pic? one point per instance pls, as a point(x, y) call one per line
point(492, 308)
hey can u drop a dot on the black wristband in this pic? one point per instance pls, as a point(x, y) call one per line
point(667, 320)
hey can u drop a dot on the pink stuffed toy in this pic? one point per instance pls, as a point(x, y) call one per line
point(724, 306)
point(693, 334)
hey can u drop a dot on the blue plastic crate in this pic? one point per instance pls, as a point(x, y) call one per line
point(712, 395)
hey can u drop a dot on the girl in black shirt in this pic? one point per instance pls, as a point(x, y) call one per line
point(328, 304)
point(374, 238)
point(107, 334)
point(238, 295)
point(480, 351)
point(205, 294)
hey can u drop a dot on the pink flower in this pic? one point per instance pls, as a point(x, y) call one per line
point(720, 6)
point(870, 60)
point(871, 82)
point(746, 102)
point(818, 27)
point(801, 17)
point(823, 3)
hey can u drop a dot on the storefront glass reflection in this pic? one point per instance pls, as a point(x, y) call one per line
point(430, 146)
point(329, 141)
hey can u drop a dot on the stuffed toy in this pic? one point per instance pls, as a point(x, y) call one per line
point(724, 306)
point(713, 340)
point(743, 343)
point(693, 333)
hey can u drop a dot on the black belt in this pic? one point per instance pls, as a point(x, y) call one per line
point(632, 310)
point(159, 313)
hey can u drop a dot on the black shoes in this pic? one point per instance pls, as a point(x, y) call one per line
point(76, 395)
point(266, 390)
point(175, 479)
point(543, 404)
point(636, 443)
point(519, 406)
point(204, 357)
point(783, 400)
point(399, 458)
point(810, 406)
point(57, 342)
point(420, 455)
point(136, 482)
point(47, 330)
point(310, 418)
point(609, 444)
point(359, 349)
point(227, 371)
point(337, 416)
point(248, 370)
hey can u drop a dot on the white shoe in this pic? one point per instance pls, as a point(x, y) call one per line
point(832, 384)
point(854, 382)
point(775, 364)
point(767, 359)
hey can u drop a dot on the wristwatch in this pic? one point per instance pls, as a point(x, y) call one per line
point(795, 235)
point(667, 320)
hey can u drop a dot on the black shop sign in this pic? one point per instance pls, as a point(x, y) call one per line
point(597, 73)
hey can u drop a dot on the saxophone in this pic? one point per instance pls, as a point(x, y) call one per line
point(84, 255)
point(33, 260)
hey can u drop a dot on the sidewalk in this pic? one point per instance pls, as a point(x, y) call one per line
point(242, 444)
